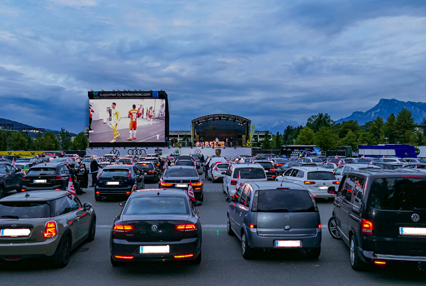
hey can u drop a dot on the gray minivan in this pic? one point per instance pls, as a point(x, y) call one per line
point(274, 215)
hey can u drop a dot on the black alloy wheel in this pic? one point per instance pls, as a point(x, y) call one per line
point(332, 228)
point(92, 230)
point(63, 253)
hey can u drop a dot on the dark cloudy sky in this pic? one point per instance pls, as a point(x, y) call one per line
point(265, 60)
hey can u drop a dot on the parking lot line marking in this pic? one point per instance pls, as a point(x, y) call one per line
point(217, 232)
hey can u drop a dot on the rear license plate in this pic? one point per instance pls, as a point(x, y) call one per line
point(266, 171)
point(181, 185)
point(145, 173)
point(113, 183)
point(155, 249)
point(40, 181)
point(15, 232)
point(323, 188)
point(288, 243)
point(413, 231)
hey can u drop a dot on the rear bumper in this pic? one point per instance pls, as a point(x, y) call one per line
point(43, 188)
point(268, 242)
point(369, 257)
point(28, 250)
point(113, 191)
point(184, 247)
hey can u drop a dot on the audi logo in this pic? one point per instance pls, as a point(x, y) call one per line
point(415, 217)
point(136, 151)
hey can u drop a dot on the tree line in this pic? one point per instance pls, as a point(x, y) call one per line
point(21, 141)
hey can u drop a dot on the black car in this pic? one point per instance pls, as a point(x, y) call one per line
point(388, 166)
point(156, 225)
point(10, 178)
point(381, 216)
point(47, 176)
point(149, 171)
point(180, 177)
point(118, 180)
point(271, 172)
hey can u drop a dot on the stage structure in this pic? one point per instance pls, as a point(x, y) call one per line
point(128, 118)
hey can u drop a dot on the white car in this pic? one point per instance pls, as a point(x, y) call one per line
point(217, 171)
point(339, 172)
point(398, 161)
point(247, 173)
point(319, 181)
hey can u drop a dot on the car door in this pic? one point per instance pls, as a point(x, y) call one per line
point(338, 201)
point(235, 209)
point(244, 206)
point(64, 213)
point(356, 202)
point(11, 178)
point(81, 224)
point(226, 180)
point(287, 175)
point(347, 192)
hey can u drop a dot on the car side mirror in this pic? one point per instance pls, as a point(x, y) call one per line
point(198, 204)
point(122, 204)
point(87, 206)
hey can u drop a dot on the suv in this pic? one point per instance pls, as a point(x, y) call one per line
point(246, 172)
point(44, 224)
point(10, 178)
point(381, 216)
point(48, 176)
point(273, 215)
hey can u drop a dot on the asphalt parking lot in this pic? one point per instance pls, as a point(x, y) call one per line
point(222, 261)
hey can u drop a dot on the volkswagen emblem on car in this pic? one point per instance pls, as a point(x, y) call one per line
point(154, 228)
point(14, 225)
point(287, 217)
point(415, 217)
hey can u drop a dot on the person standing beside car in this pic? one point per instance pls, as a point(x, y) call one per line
point(93, 169)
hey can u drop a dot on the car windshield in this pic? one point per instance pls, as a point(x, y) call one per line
point(321, 176)
point(41, 171)
point(181, 173)
point(19, 210)
point(266, 165)
point(184, 163)
point(87, 160)
point(250, 173)
point(145, 166)
point(156, 205)
point(284, 201)
point(109, 173)
point(400, 194)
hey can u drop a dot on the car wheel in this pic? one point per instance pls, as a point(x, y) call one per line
point(202, 197)
point(332, 228)
point(355, 260)
point(92, 230)
point(63, 253)
point(116, 263)
point(229, 229)
point(246, 251)
point(197, 261)
point(314, 253)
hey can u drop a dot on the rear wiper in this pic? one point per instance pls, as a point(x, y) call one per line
point(10, 216)
point(419, 209)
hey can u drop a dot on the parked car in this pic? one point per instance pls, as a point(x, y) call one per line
point(246, 172)
point(44, 224)
point(28, 160)
point(149, 171)
point(125, 161)
point(217, 171)
point(388, 166)
point(156, 225)
point(47, 176)
point(313, 160)
point(179, 177)
point(10, 179)
point(118, 180)
point(271, 172)
point(339, 172)
point(398, 161)
point(281, 169)
point(381, 216)
point(274, 215)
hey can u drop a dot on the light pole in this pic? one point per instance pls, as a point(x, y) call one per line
point(386, 138)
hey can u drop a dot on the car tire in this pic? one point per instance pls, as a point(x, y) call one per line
point(354, 258)
point(197, 261)
point(116, 263)
point(229, 229)
point(92, 230)
point(63, 253)
point(332, 228)
point(246, 251)
point(313, 253)
point(202, 197)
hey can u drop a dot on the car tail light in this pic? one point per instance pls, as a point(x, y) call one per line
point(26, 179)
point(278, 165)
point(197, 184)
point(253, 226)
point(366, 227)
point(97, 193)
point(151, 171)
point(234, 182)
point(130, 174)
point(164, 184)
point(56, 178)
point(272, 170)
point(319, 226)
point(215, 168)
point(309, 182)
point(50, 230)
point(186, 227)
point(183, 256)
point(158, 164)
point(378, 262)
point(123, 228)
point(336, 182)
point(58, 189)
point(123, 257)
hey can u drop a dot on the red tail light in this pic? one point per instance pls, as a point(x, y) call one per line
point(234, 182)
point(336, 182)
point(278, 165)
point(366, 227)
point(26, 179)
point(197, 184)
point(56, 178)
point(273, 170)
point(183, 256)
point(377, 262)
point(186, 227)
point(123, 257)
point(319, 226)
point(130, 174)
point(253, 226)
point(309, 182)
point(164, 184)
point(50, 230)
point(123, 228)
point(151, 171)
point(158, 164)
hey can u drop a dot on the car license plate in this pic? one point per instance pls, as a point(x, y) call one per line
point(113, 183)
point(266, 171)
point(145, 173)
point(288, 243)
point(40, 181)
point(323, 188)
point(15, 232)
point(414, 231)
point(155, 249)
point(181, 185)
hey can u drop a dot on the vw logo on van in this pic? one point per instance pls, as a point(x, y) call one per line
point(154, 228)
point(415, 217)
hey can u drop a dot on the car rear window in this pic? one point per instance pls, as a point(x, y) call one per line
point(222, 166)
point(109, 173)
point(145, 166)
point(181, 173)
point(156, 205)
point(284, 201)
point(390, 160)
point(184, 163)
point(321, 176)
point(266, 165)
point(125, 160)
point(42, 171)
point(405, 194)
point(24, 210)
point(250, 173)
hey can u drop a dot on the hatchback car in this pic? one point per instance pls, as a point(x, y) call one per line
point(118, 180)
point(381, 216)
point(179, 177)
point(149, 171)
point(10, 178)
point(44, 224)
point(156, 225)
point(273, 215)
point(217, 171)
point(271, 172)
point(246, 172)
point(47, 176)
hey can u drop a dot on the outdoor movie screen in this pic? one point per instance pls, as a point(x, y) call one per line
point(127, 120)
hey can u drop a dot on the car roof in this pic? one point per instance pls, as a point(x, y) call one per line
point(245, 165)
point(34, 196)
point(118, 167)
point(362, 165)
point(275, 185)
point(145, 162)
point(313, 169)
point(161, 192)
point(388, 173)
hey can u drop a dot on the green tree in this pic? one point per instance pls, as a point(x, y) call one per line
point(404, 123)
point(291, 133)
point(266, 143)
point(30, 140)
point(345, 127)
point(390, 129)
point(364, 138)
point(325, 138)
point(306, 137)
point(315, 122)
point(375, 127)
point(17, 141)
point(65, 139)
point(277, 141)
point(3, 140)
point(80, 141)
point(38, 142)
point(49, 141)
point(350, 140)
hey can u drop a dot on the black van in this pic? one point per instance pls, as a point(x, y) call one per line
point(381, 216)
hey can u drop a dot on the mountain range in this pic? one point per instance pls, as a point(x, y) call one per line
point(19, 126)
point(386, 107)
point(274, 126)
